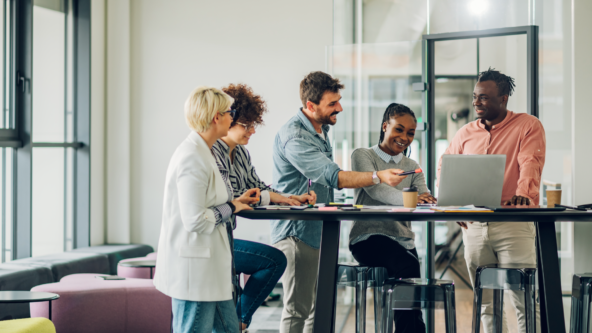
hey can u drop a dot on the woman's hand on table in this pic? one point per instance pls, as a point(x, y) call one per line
point(250, 196)
point(426, 198)
point(305, 198)
point(238, 206)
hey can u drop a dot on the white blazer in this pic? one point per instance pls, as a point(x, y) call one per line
point(194, 259)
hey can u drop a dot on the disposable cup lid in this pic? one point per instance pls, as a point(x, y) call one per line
point(410, 189)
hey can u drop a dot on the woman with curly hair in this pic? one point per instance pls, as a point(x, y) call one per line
point(264, 264)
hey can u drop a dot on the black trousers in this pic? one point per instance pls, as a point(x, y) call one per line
point(381, 251)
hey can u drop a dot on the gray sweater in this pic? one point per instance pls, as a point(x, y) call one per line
point(365, 159)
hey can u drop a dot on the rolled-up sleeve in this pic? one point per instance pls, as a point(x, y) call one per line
point(192, 185)
point(222, 212)
point(531, 159)
point(312, 162)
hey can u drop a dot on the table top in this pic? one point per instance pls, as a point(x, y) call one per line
point(138, 263)
point(374, 215)
point(8, 296)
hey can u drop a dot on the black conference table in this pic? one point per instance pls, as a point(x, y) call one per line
point(552, 319)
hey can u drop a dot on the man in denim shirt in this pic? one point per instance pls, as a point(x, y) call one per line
point(302, 151)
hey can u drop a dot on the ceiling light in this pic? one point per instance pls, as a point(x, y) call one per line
point(478, 7)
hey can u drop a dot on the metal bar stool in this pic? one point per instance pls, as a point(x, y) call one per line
point(351, 274)
point(581, 291)
point(500, 277)
point(417, 294)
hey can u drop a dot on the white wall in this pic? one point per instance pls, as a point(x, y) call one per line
point(118, 121)
point(581, 115)
point(581, 69)
point(178, 45)
point(97, 158)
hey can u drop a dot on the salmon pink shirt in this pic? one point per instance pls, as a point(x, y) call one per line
point(521, 138)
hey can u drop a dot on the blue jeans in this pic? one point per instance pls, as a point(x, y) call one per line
point(266, 265)
point(204, 317)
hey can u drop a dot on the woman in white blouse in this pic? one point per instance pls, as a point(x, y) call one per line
point(194, 253)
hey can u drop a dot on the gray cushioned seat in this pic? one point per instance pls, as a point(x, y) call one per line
point(18, 277)
point(117, 252)
point(62, 264)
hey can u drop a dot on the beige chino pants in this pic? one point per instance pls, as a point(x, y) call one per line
point(299, 283)
point(503, 243)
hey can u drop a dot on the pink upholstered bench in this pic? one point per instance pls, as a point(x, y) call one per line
point(136, 272)
point(90, 305)
point(144, 272)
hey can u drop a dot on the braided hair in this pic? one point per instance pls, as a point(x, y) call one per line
point(392, 111)
point(505, 84)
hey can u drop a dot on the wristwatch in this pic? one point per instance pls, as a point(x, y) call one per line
point(375, 178)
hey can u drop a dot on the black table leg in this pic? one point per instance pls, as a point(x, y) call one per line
point(551, 303)
point(151, 270)
point(49, 310)
point(327, 278)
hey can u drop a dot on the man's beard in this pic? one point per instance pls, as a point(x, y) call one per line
point(326, 120)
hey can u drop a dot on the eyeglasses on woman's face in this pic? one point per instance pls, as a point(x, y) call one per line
point(248, 128)
point(232, 113)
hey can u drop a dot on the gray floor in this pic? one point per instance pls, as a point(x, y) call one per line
point(267, 318)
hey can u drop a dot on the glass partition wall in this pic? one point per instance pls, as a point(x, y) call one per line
point(371, 39)
point(374, 75)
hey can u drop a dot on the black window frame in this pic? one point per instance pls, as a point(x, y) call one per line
point(20, 138)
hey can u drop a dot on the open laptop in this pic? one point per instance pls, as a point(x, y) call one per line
point(471, 180)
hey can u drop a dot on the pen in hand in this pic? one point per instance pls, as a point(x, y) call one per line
point(410, 172)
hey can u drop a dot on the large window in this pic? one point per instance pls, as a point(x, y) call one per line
point(7, 131)
point(44, 159)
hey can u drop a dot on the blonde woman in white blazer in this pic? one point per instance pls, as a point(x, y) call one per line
point(194, 254)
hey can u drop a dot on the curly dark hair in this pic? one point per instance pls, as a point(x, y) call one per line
point(249, 107)
point(315, 84)
point(505, 84)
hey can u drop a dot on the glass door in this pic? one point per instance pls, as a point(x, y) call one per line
point(374, 75)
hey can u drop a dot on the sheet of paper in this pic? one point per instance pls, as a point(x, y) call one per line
point(468, 208)
point(381, 207)
point(423, 211)
point(401, 210)
point(274, 207)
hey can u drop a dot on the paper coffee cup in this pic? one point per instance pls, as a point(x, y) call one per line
point(410, 197)
point(553, 198)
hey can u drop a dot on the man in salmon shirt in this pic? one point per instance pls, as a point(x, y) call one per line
point(521, 138)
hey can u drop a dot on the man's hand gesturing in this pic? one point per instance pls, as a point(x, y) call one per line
point(391, 176)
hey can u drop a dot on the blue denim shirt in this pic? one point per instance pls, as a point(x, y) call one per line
point(300, 154)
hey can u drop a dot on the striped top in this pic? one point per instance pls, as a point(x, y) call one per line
point(242, 173)
point(223, 212)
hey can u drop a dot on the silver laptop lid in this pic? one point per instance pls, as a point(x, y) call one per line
point(471, 180)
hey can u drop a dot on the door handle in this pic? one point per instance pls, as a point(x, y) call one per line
point(21, 80)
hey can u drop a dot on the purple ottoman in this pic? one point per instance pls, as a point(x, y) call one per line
point(137, 272)
point(90, 305)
